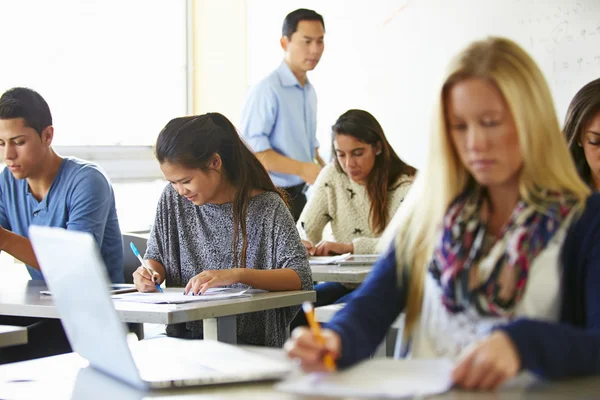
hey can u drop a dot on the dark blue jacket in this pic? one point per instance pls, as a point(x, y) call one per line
point(571, 348)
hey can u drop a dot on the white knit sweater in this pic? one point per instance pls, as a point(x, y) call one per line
point(345, 203)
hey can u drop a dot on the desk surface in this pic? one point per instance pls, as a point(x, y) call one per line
point(12, 335)
point(24, 299)
point(66, 376)
point(342, 274)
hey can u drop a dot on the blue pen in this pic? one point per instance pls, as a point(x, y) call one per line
point(150, 270)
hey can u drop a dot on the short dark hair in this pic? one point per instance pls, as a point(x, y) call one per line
point(290, 23)
point(584, 106)
point(28, 104)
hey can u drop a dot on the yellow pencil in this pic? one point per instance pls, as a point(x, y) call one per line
point(316, 330)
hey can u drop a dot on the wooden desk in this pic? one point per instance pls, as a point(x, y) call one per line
point(12, 335)
point(336, 273)
point(66, 376)
point(24, 299)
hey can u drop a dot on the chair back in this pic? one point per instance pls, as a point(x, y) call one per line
point(130, 261)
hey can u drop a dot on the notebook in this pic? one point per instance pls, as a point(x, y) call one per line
point(77, 277)
point(115, 288)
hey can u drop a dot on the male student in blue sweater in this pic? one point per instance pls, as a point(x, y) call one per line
point(39, 187)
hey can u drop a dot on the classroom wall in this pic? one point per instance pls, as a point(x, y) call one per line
point(387, 56)
point(112, 71)
point(220, 68)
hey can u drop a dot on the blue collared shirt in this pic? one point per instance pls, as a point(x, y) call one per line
point(80, 199)
point(281, 114)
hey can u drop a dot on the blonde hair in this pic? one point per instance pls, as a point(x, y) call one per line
point(547, 164)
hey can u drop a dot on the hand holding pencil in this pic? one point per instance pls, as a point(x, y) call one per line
point(316, 349)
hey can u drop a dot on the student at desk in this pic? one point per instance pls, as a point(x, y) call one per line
point(357, 193)
point(571, 348)
point(222, 222)
point(481, 230)
point(39, 187)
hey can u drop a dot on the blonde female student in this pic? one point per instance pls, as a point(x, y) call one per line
point(222, 222)
point(571, 348)
point(481, 230)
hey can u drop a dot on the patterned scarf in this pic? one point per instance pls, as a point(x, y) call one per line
point(492, 279)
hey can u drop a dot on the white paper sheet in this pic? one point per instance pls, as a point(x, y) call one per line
point(179, 297)
point(115, 288)
point(324, 260)
point(377, 378)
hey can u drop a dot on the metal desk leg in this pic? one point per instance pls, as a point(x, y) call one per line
point(136, 328)
point(223, 329)
point(386, 348)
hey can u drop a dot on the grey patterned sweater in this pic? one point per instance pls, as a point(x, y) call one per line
point(188, 239)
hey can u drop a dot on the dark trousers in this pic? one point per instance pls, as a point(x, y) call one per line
point(297, 199)
point(327, 293)
point(45, 337)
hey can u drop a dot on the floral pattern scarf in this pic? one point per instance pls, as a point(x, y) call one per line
point(493, 279)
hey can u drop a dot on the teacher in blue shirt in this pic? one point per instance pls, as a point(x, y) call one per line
point(279, 118)
point(38, 187)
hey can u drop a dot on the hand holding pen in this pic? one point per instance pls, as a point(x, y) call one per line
point(147, 268)
point(304, 237)
point(316, 350)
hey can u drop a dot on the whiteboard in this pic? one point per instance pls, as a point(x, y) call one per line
point(388, 57)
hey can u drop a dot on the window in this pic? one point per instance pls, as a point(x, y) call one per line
point(112, 71)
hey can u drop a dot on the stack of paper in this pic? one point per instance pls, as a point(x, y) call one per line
point(377, 378)
point(179, 297)
point(345, 259)
point(115, 288)
point(324, 260)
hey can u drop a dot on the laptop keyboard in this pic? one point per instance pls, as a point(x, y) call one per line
point(193, 362)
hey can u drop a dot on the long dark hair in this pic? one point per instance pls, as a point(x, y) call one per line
point(584, 106)
point(192, 141)
point(388, 166)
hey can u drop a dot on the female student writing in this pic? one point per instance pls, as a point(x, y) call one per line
point(481, 230)
point(357, 193)
point(571, 348)
point(582, 130)
point(222, 222)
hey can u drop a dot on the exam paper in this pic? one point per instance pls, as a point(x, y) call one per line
point(324, 260)
point(115, 288)
point(179, 297)
point(377, 378)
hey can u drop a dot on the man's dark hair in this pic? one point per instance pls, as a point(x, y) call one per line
point(28, 104)
point(290, 23)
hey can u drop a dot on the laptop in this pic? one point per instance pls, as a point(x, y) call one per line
point(77, 277)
